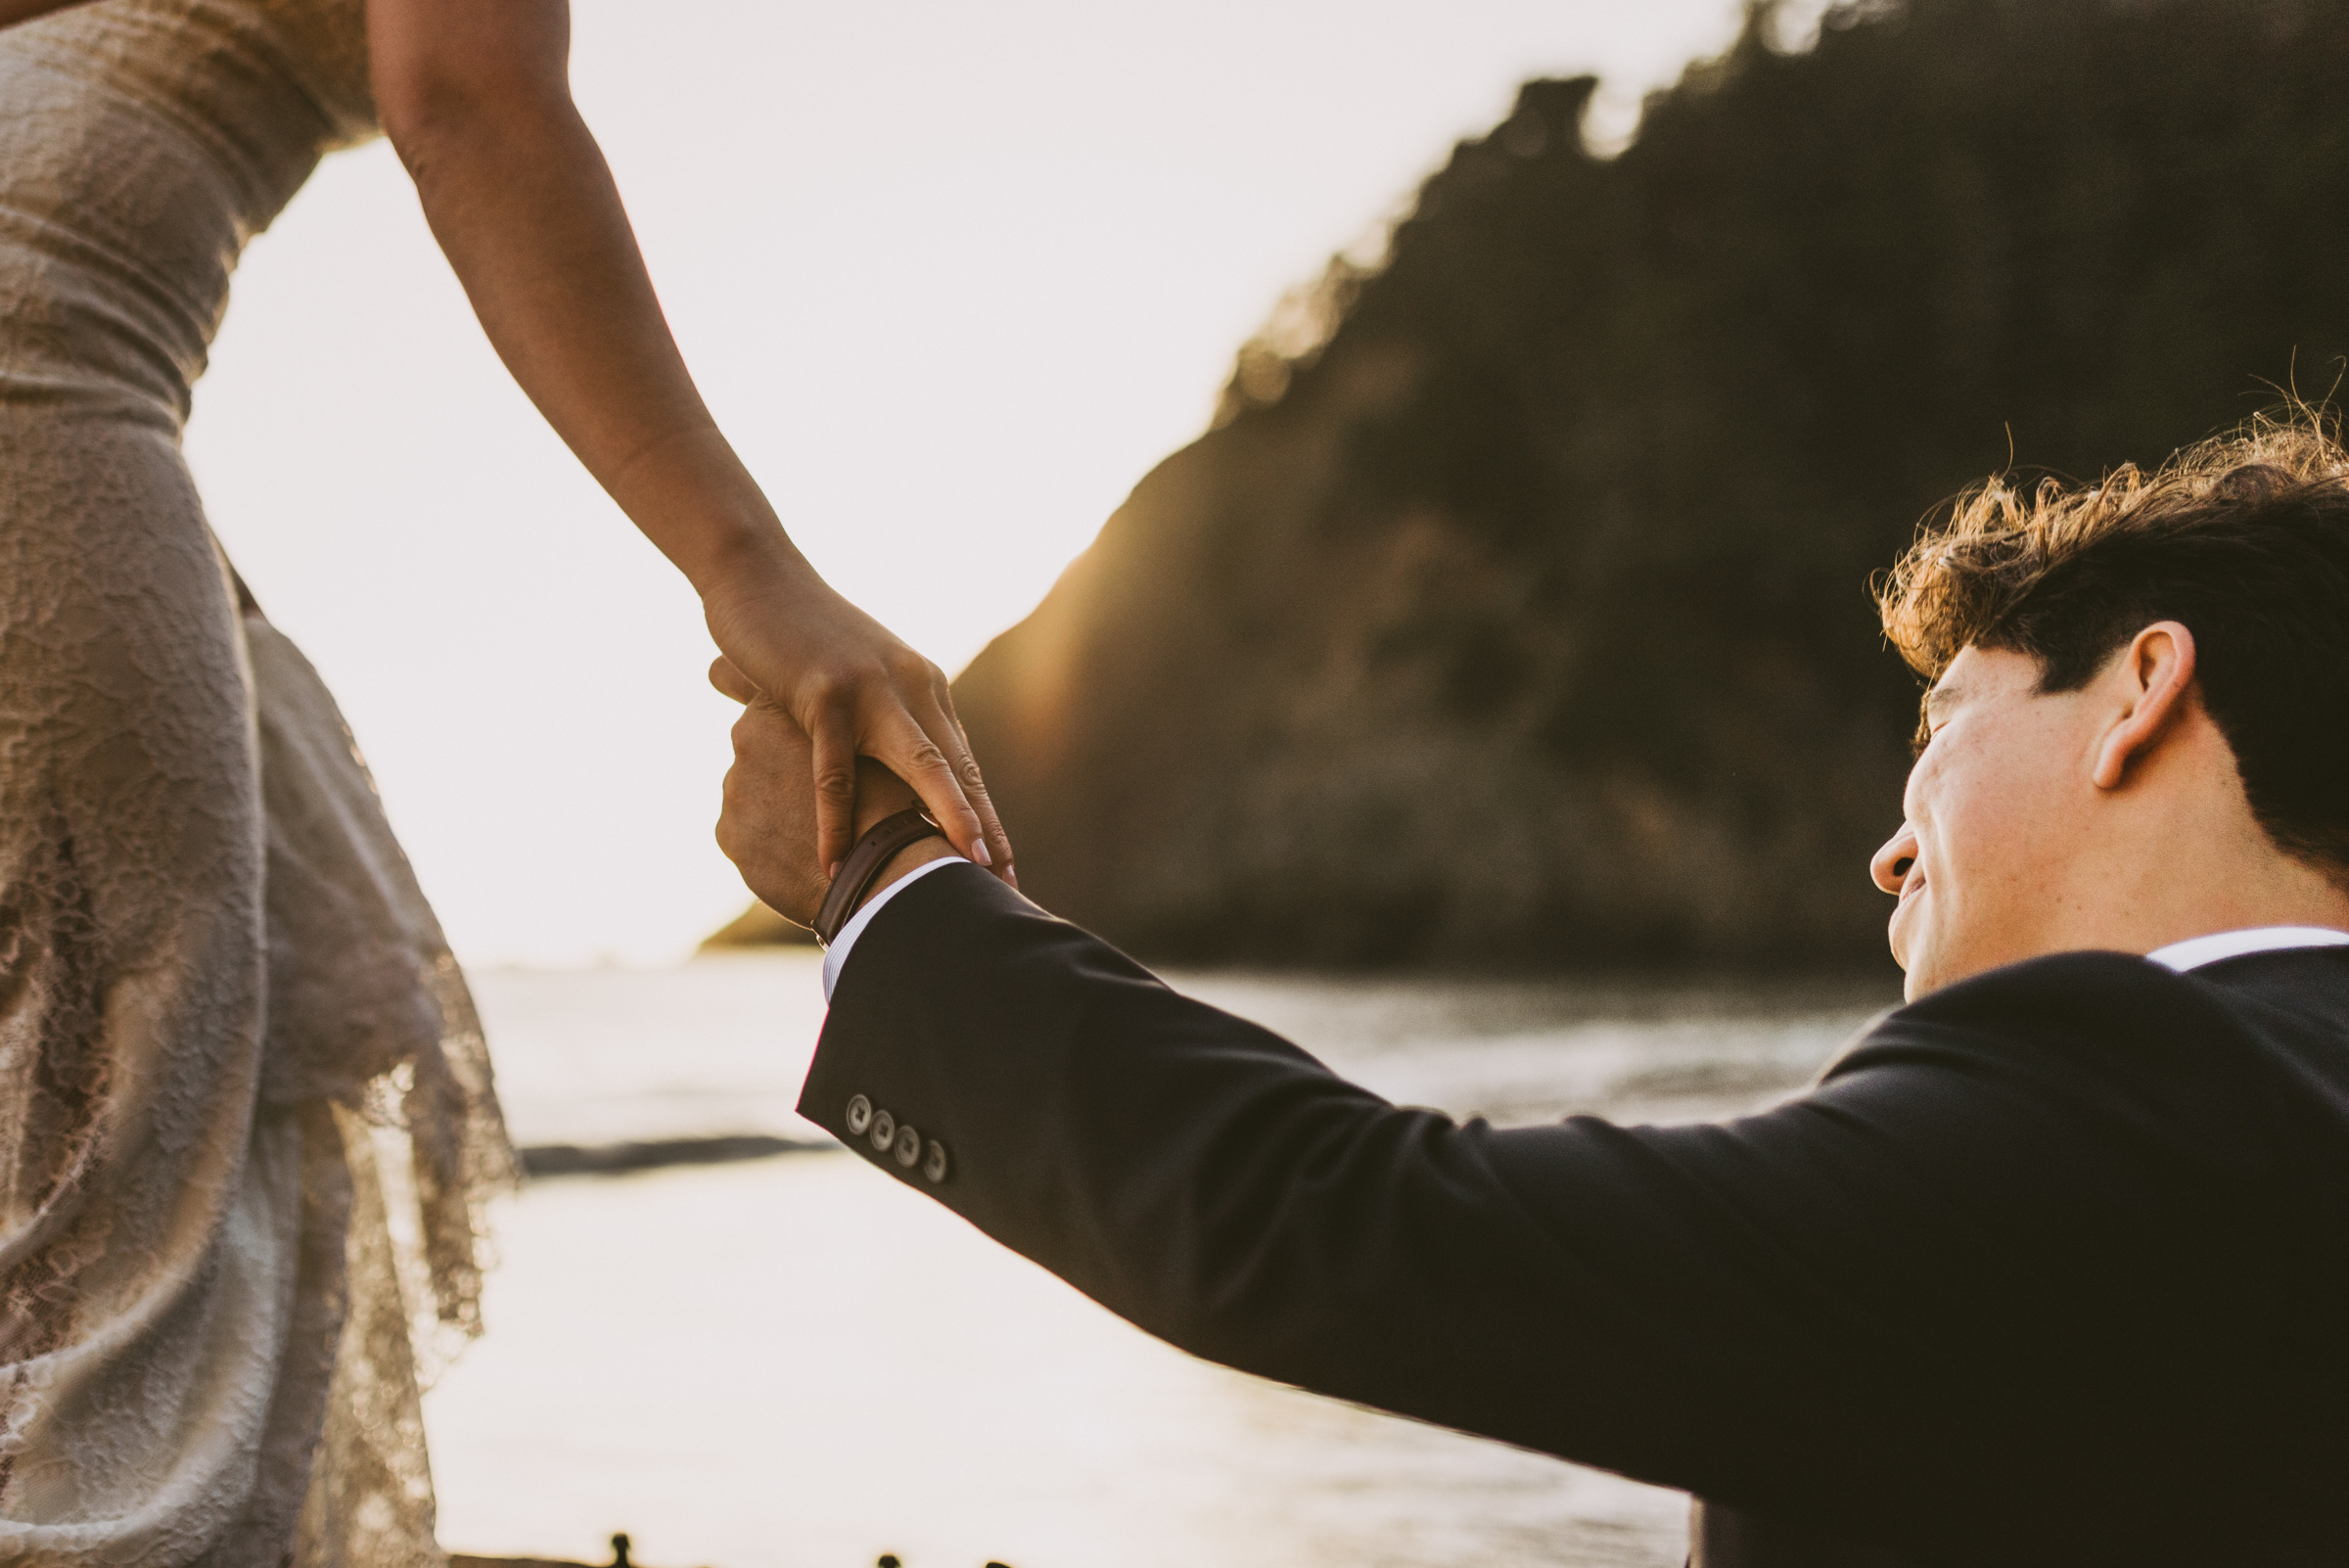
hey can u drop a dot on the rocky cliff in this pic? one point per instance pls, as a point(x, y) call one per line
point(1515, 612)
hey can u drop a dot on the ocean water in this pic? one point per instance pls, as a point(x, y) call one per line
point(795, 1362)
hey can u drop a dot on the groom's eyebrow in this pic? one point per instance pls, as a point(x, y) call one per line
point(1943, 697)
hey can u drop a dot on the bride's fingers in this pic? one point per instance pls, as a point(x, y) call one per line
point(947, 729)
point(835, 758)
point(730, 680)
point(906, 750)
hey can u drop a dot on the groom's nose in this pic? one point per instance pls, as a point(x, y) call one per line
point(1891, 865)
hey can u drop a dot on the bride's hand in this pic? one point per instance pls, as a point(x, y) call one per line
point(854, 689)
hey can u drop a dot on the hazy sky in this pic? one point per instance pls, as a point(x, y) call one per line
point(954, 277)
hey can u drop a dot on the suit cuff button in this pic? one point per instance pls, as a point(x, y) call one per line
point(860, 1116)
point(885, 1131)
point(933, 1165)
point(909, 1147)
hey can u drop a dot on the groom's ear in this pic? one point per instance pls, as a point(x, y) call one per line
point(2154, 677)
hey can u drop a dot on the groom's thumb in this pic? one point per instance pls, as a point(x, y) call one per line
point(730, 680)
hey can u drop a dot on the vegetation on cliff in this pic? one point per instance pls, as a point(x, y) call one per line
point(1514, 611)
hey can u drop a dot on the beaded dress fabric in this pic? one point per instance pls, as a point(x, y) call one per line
point(247, 1121)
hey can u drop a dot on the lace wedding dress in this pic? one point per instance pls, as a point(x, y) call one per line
point(246, 1124)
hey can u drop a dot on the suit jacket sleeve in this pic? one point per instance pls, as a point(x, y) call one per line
point(1928, 1262)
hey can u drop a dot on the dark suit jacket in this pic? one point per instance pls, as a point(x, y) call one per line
point(2050, 1267)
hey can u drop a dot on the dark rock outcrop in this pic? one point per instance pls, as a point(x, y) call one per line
point(758, 927)
point(1515, 612)
point(540, 1160)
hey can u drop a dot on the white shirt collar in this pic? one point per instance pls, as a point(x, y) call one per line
point(2195, 951)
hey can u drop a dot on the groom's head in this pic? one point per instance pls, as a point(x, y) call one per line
point(2137, 725)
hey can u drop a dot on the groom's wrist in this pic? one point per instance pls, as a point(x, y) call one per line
point(918, 853)
point(880, 795)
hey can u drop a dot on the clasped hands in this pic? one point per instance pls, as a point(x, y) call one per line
point(772, 821)
point(792, 645)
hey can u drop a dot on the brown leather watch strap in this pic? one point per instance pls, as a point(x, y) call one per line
point(879, 846)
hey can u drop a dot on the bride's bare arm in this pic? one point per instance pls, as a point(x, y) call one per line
point(476, 98)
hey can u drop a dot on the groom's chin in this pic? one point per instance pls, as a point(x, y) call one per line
point(1910, 931)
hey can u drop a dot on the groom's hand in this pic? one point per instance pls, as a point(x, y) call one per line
point(768, 826)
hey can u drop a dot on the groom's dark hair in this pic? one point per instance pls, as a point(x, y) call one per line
point(2245, 539)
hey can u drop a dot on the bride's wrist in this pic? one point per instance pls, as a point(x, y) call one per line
point(691, 496)
point(744, 555)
